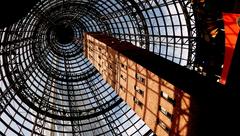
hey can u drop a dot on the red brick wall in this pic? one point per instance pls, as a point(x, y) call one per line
point(163, 107)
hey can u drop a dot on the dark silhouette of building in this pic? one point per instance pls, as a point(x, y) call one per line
point(177, 51)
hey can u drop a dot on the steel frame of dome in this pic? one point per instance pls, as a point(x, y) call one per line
point(51, 88)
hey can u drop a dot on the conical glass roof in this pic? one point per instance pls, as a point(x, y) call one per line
point(48, 86)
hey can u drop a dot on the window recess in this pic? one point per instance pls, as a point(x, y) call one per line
point(163, 126)
point(124, 78)
point(140, 78)
point(137, 102)
point(121, 88)
point(137, 89)
point(110, 66)
point(169, 99)
point(123, 66)
point(165, 112)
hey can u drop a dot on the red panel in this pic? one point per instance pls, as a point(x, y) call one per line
point(231, 34)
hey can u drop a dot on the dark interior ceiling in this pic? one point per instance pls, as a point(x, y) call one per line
point(12, 11)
